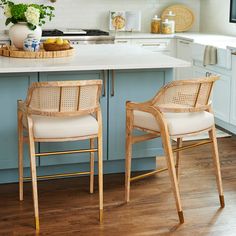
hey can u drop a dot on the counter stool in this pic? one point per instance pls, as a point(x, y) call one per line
point(179, 109)
point(60, 112)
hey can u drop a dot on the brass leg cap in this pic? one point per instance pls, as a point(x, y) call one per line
point(181, 217)
point(101, 215)
point(37, 224)
point(222, 201)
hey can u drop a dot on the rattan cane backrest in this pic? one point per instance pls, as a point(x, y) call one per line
point(185, 93)
point(67, 97)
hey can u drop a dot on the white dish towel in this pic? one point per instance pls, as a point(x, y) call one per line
point(210, 55)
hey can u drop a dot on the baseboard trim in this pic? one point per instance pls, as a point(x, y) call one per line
point(117, 166)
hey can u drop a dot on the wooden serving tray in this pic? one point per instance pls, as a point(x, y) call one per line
point(10, 51)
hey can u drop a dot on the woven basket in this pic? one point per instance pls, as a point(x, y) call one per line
point(184, 17)
point(55, 47)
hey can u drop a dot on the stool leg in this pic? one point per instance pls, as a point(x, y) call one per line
point(179, 144)
point(20, 155)
point(33, 175)
point(128, 154)
point(172, 173)
point(215, 154)
point(91, 166)
point(100, 167)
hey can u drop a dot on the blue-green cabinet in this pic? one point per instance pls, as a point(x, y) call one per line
point(118, 87)
point(137, 86)
point(59, 146)
point(12, 88)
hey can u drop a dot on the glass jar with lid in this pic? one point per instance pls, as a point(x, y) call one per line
point(166, 27)
point(171, 18)
point(156, 25)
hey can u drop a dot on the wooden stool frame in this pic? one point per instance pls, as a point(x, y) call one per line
point(175, 101)
point(26, 110)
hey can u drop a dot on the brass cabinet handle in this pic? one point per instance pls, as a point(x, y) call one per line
point(113, 83)
point(151, 44)
point(184, 42)
point(208, 74)
point(104, 83)
point(122, 41)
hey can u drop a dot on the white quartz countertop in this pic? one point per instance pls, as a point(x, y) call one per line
point(95, 57)
point(140, 35)
point(220, 41)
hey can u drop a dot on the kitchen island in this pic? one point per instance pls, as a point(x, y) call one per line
point(128, 73)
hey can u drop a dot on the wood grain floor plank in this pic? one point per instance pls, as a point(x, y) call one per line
point(67, 208)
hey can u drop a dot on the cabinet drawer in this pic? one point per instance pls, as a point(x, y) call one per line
point(156, 45)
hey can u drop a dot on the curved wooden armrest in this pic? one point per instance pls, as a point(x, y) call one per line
point(165, 108)
point(182, 109)
point(145, 107)
point(21, 105)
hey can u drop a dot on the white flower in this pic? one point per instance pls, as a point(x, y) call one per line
point(32, 15)
point(7, 11)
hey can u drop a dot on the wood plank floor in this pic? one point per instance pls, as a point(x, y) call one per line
point(66, 207)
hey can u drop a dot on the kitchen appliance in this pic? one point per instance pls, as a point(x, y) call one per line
point(232, 15)
point(81, 36)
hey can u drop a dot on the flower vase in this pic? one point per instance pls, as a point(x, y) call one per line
point(19, 32)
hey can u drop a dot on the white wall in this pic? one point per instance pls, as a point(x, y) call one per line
point(215, 17)
point(94, 13)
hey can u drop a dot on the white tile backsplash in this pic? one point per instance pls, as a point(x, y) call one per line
point(215, 17)
point(95, 13)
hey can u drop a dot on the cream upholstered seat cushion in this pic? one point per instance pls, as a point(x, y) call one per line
point(178, 123)
point(64, 127)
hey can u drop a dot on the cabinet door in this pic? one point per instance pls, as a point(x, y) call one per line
point(199, 72)
point(137, 86)
point(12, 88)
point(233, 92)
point(184, 52)
point(221, 93)
point(221, 98)
point(61, 146)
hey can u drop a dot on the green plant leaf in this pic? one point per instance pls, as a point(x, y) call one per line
point(8, 21)
point(18, 12)
point(32, 27)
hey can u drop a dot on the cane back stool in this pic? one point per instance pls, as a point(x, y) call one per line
point(60, 112)
point(179, 109)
